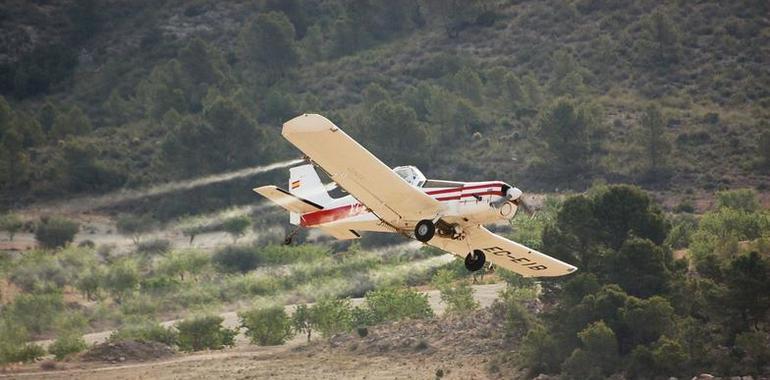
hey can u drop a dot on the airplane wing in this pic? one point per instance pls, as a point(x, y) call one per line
point(359, 172)
point(287, 200)
point(504, 253)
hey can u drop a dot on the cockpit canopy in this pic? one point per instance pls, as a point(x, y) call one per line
point(411, 175)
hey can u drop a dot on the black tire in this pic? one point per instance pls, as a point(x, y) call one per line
point(475, 261)
point(424, 230)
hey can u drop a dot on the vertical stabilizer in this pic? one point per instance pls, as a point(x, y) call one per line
point(305, 183)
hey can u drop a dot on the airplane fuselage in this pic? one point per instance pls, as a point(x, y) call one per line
point(470, 202)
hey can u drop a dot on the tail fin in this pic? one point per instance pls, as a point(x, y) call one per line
point(305, 183)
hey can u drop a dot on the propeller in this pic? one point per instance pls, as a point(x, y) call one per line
point(516, 196)
point(512, 194)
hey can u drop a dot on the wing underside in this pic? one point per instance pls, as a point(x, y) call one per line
point(359, 172)
point(504, 253)
point(286, 200)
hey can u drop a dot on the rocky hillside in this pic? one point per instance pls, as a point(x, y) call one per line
point(550, 95)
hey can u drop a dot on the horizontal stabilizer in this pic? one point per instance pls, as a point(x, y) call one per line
point(286, 200)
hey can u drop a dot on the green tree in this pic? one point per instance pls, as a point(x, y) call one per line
point(395, 128)
point(269, 326)
point(659, 42)
point(567, 79)
point(598, 355)
point(468, 84)
point(71, 123)
point(55, 232)
point(14, 159)
point(303, 321)
point(453, 15)
point(237, 259)
point(740, 199)
point(514, 90)
point(373, 94)
point(654, 140)
point(747, 279)
point(135, 226)
point(10, 223)
point(66, 345)
point(266, 45)
point(456, 295)
point(641, 268)
point(669, 357)
point(204, 332)
point(764, 149)
point(295, 10)
point(332, 316)
point(237, 226)
point(13, 343)
point(569, 131)
point(121, 279)
point(645, 321)
point(47, 116)
point(393, 304)
point(84, 171)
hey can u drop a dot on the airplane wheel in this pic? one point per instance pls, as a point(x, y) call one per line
point(475, 260)
point(424, 230)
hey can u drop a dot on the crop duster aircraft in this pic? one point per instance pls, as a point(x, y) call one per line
point(445, 214)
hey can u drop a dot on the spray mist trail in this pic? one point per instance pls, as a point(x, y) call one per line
point(90, 203)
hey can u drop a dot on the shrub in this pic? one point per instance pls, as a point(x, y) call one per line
point(303, 321)
point(55, 232)
point(13, 346)
point(66, 345)
point(333, 316)
point(135, 226)
point(237, 259)
point(154, 247)
point(10, 223)
point(457, 296)
point(121, 279)
point(145, 330)
point(237, 226)
point(742, 200)
point(267, 326)
point(204, 332)
point(393, 304)
point(36, 312)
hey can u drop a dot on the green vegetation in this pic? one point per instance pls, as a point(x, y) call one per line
point(636, 310)
point(55, 232)
point(66, 345)
point(145, 330)
point(393, 304)
point(237, 226)
point(204, 332)
point(595, 91)
point(456, 295)
point(11, 224)
point(267, 326)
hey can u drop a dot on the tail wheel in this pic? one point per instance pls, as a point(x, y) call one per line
point(424, 230)
point(475, 260)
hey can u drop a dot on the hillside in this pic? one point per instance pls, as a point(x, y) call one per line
point(464, 90)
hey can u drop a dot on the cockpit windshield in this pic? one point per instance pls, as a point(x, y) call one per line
point(411, 175)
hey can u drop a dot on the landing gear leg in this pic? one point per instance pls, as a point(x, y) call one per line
point(424, 230)
point(290, 236)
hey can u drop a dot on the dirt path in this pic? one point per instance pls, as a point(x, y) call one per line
point(288, 361)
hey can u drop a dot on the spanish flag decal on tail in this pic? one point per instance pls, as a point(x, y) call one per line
point(294, 184)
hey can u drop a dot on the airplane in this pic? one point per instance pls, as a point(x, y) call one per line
point(448, 215)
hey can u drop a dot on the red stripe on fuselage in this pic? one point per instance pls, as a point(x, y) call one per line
point(315, 218)
point(474, 187)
